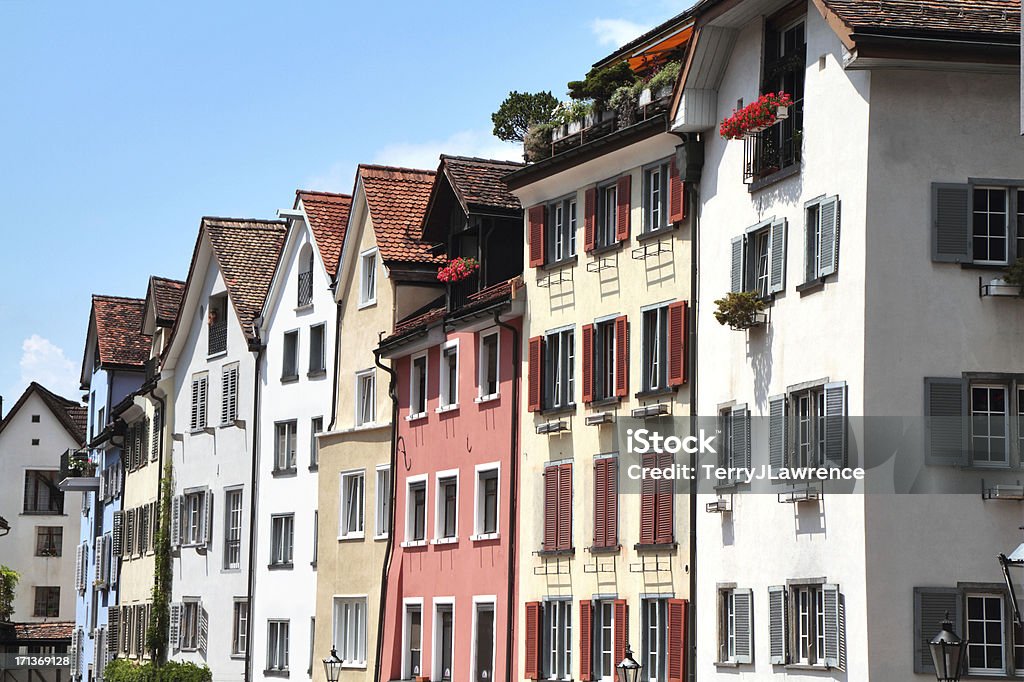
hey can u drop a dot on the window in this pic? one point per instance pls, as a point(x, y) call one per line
point(444, 640)
point(277, 646)
point(656, 502)
point(47, 602)
point(368, 277)
point(418, 387)
point(317, 357)
point(199, 392)
point(556, 663)
point(413, 640)
point(194, 513)
point(979, 223)
point(607, 213)
point(561, 229)
point(35, 419)
point(240, 628)
point(807, 608)
point(604, 640)
point(284, 446)
point(559, 369)
point(416, 520)
point(189, 635)
point(305, 279)
point(805, 624)
point(232, 528)
point(366, 397)
point(290, 357)
point(447, 506)
point(655, 348)
point(654, 614)
point(483, 641)
point(352, 486)
point(990, 224)
point(450, 374)
point(606, 502)
point(821, 233)
point(656, 197)
point(35, 441)
point(350, 630)
point(42, 496)
point(986, 634)
point(382, 498)
point(316, 426)
point(758, 259)
point(557, 507)
point(488, 365)
point(217, 325)
point(779, 147)
point(487, 501)
point(605, 372)
point(734, 625)
point(809, 421)
point(316, 537)
point(229, 395)
point(49, 540)
point(990, 425)
point(727, 627)
point(282, 538)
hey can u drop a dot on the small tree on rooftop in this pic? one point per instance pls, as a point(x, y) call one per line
point(519, 111)
point(600, 84)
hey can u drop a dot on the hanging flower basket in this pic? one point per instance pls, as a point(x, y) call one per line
point(457, 270)
point(769, 109)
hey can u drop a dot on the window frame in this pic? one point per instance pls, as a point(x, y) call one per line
point(290, 337)
point(278, 633)
point(605, 225)
point(603, 622)
point(409, 606)
point(315, 331)
point(483, 365)
point(1006, 645)
point(316, 427)
point(49, 541)
point(366, 389)
point(481, 471)
point(814, 623)
point(239, 627)
point(49, 595)
point(560, 376)
point(647, 384)
point(291, 438)
point(659, 657)
point(189, 626)
point(560, 237)
point(556, 640)
point(480, 603)
point(441, 604)
point(282, 541)
point(415, 483)
point(345, 501)
point(441, 512)
point(381, 502)
point(55, 496)
point(662, 167)
point(368, 277)
point(605, 359)
point(448, 395)
point(233, 544)
point(419, 385)
point(341, 637)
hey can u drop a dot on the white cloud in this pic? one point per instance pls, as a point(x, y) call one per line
point(616, 32)
point(45, 362)
point(426, 155)
point(338, 178)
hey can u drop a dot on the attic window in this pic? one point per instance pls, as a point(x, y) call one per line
point(217, 321)
point(305, 283)
point(35, 419)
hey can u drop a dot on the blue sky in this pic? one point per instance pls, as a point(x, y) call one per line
point(123, 123)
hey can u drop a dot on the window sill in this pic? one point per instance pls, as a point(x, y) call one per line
point(237, 657)
point(605, 402)
point(366, 426)
point(275, 673)
point(444, 541)
point(416, 417)
point(656, 547)
point(351, 536)
point(447, 408)
point(413, 543)
point(655, 234)
point(231, 569)
point(353, 666)
point(483, 537)
point(227, 425)
point(380, 537)
point(777, 176)
point(196, 432)
point(656, 393)
point(313, 468)
point(811, 286)
point(991, 267)
point(217, 355)
point(280, 567)
point(734, 664)
point(289, 378)
point(305, 307)
point(596, 549)
point(808, 666)
point(367, 304)
point(556, 411)
point(557, 264)
point(280, 473)
point(607, 248)
point(487, 398)
point(549, 553)
point(316, 373)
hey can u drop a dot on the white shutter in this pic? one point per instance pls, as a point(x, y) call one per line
point(777, 257)
point(778, 435)
point(79, 581)
point(203, 386)
point(174, 629)
point(224, 395)
point(76, 648)
point(204, 626)
point(736, 267)
point(741, 436)
point(743, 602)
point(129, 533)
point(194, 420)
point(204, 518)
point(98, 559)
point(835, 425)
point(154, 435)
point(176, 521)
point(832, 601)
point(778, 626)
point(828, 214)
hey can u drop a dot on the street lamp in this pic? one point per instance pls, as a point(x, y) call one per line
point(1016, 558)
point(947, 653)
point(332, 666)
point(628, 668)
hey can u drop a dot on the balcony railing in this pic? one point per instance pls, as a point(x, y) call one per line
point(459, 292)
point(218, 337)
point(607, 122)
point(774, 149)
point(305, 288)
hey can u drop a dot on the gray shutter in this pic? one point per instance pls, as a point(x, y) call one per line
point(931, 604)
point(945, 409)
point(204, 518)
point(97, 558)
point(76, 648)
point(204, 627)
point(830, 598)
point(778, 627)
point(154, 434)
point(140, 629)
point(743, 603)
point(113, 629)
point(118, 532)
point(778, 436)
point(736, 269)
point(741, 436)
point(951, 232)
point(176, 521)
point(194, 420)
point(131, 523)
point(174, 629)
point(79, 578)
point(204, 385)
point(828, 214)
point(835, 425)
point(225, 395)
point(777, 257)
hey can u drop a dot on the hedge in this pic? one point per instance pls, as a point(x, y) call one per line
point(122, 670)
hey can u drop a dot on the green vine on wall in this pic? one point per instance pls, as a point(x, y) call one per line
point(156, 634)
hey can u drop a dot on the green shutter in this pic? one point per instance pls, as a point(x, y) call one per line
point(777, 257)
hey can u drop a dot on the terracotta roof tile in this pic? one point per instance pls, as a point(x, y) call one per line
point(247, 252)
point(478, 181)
point(398, 198)
point(328, 218)
point(167, 298)
point(43, 631)
point(118, 330)
point(998, 17)
point(421, 321)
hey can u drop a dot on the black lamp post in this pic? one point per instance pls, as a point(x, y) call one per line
point(947, 653)
point(628, 669)
point(332, 666)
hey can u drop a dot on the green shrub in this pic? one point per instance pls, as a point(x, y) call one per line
point(537, 144)
point(600, 84)
point(123, 670)
point(665, 78)
point(1015, 274)
point(8, 581)
point(739, 310)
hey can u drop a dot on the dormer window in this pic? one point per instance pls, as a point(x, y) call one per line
point(305, 283)
point(217, 324)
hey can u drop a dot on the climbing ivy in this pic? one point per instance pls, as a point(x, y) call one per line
point(156, 634)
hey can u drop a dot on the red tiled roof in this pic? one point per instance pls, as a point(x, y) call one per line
point(328, 218)
point(119, 330)
point(43, 631)
point(478, 181)
point(167, 298)
point(397, 198)
point(71, 414)
point(247, 252)
point(1000, 17)
point(421, 321)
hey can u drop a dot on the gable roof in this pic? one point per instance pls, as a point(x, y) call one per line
point(477, 182)
point(996, 18)
point(397, 200)
point(328, 217)
point(119, 334)
point(71, 414)
point(165, 296)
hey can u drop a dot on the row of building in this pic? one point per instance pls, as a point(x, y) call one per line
point(316, 446)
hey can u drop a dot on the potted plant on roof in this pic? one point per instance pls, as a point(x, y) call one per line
point(659, 85)
point(740, 310)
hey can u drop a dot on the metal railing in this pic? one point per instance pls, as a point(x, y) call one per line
point(459, 292)
point(218, 337)
point(305, 288)
point(773, 149)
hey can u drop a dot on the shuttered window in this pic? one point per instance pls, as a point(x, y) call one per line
point(821, 233)
point(677, 646)
point(734, 423)
point(229, 394)
point(557, 507)
point(586, 640)
point(931, 606)
point(532, 641)
point(553, 231)
point(654, 639)
point(535, 230)
point(735, 626)
point(154, 448)
point(758, 259)
point(807, 625)
point(677, 193)
point(605, 366)
point(556, 636)
point(553, 359)
point(656, 521)
point(606, 502)
point(979, 223)
point(199, 393)
point(610, 632)
point(658, 194)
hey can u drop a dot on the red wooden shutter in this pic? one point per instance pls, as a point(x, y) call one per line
point(622, 211)
point(550, 508)
point(586, 642)
point(621, 629)
point(588, 363)
point(648, 501)
point(677, 344)
point(621, 357)
point(676, 640)
point(600, 497)
point(535, 372)
point(532, 667)
point(589, 218)
point(564, 506)
point(676, 193)
point(611, 509)
point(663, 506)
point(536, 220)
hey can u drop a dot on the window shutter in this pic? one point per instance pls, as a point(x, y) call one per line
point(203, 384)
point(225, 396)
point(778, 626)
point(743, 603)
point(118, 532)
point(589, 218)
point(535, 373)
point(588, 363)
point(620, 629)
point(832, 601)
point(565, 506)
point(828, 213)
point(79, 579)
point(533, 625)
point(586, 641)
point(102, 562)
point(140, 629)
point(951, 242)
point(622, 201)
point(648, 500)
point(778, 436)
point(194, 420)
point(154, 448)
point(76, 647)
point(835, 425)
point(676, 193)
point(945, 409)
point(176, 521)
point(174, 628)
point(676, 640)
point(536, 226)
point(677, 343)
point(736, 267)
point(611, 477)
point(550, 508)
point(663, 508)
point(97, 557)
point(777, 257)
point(204, 518)
point(600, 504)
point(621, 357)
point(741, 436)
point(113, 629)
point(931, 604)
point(204, 627)
point(129, 533)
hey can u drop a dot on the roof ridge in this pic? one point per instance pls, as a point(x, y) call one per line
point(317, 192)
point(478, 159)
point(258, 221)
point(400, 169)
point(168, 279)
point(68, 401)
point(112, 297)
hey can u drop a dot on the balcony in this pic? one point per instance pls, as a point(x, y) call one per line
point(459, 292)
point(604, 123)
point(305, 288)
point(775, 149)
point(217, 337)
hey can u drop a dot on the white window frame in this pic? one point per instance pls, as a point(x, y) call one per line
point(229, 494)
point(606, 219)
point(664, 193)
point(1007, 436)
point(340, 631)
point(1008, 230)
point(436, 640)
point(482, 367)
point(478, 601)
point(414, 386)
point(361, 377)
point(189, 629)
point(239, 627)
point(557, 638)
point(283, 628)
point(727, 625)
point(407, 602)
point(478, 502)
point(192, 525)
point(656, 671)
point(279, 545)
point(316, 427)
point(598, 648)
point(660, 353)
point(381, 501)
point(291, 443)
point(322, 359)
point(366, 296)
point(344, 532)
point(295, 355)
point(449, 395)
point(561, 220)
point(1002, 670)
point(409, 483)
point(440, 478)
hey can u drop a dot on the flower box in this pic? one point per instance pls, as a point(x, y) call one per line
point(769, 109)
point(457, 270)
